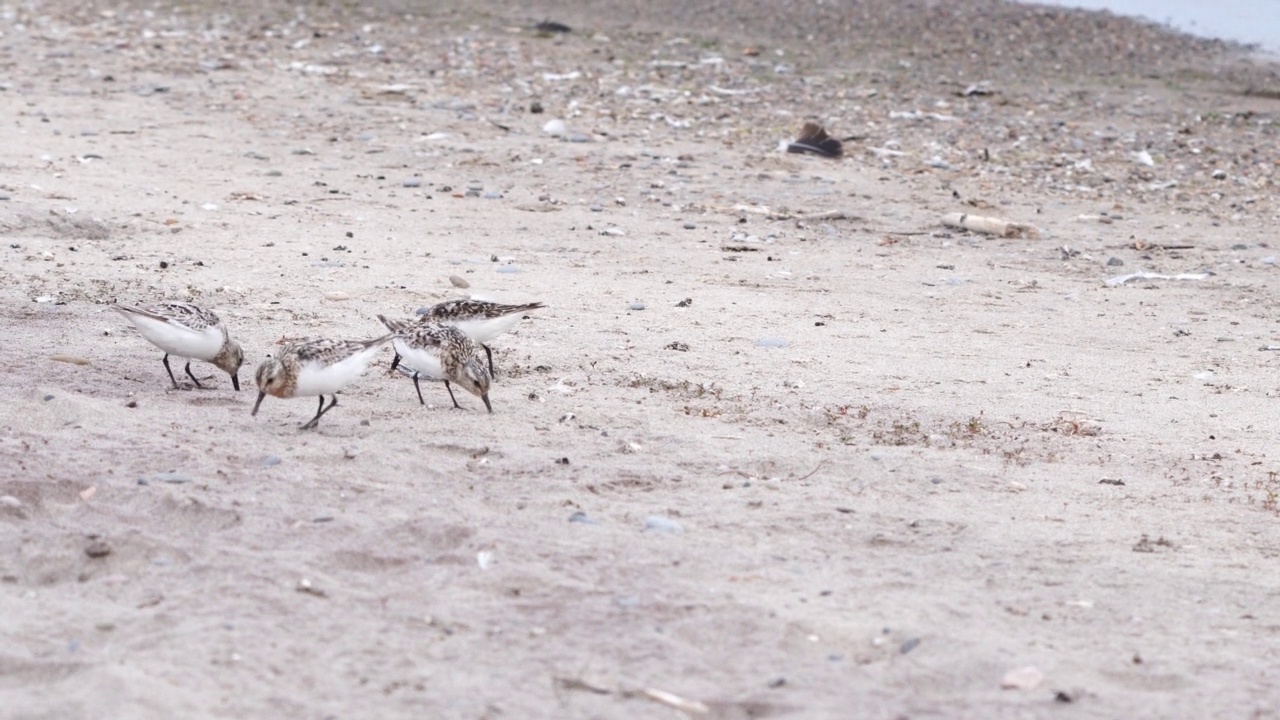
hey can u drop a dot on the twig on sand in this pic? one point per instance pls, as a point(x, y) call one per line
point(989, 225)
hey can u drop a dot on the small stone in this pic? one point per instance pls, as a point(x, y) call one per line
point(1027, 678)
point(1219, 174)
point(581, 517)
point(535, 107)
point(596, 208)
point(10, 501)
point(1115, 262)
point(555, 128)
point(506, 269)
point(457, 282)
point(661, 524)
point(613, 231)
point(635, 306)
point(47, 398)
point(412, 182)
point(97, 549)
point(336, 295)
point(690, 226)
point(771, 342)
point(578, 137)
point(271, 460)
point(909, 645)
point(493, 195)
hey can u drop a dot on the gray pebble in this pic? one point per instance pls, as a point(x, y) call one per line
point(690, 226)
point(1115, 262)
point(909, 645)
point(578, 138)
point(412, 182)
point(47, 398)
point(661, 524)
point(173, 478)
point(597, 208)
point(271, 460)
point(635, 306)
point(273, 173)
point(506, 269)
point(626, 601)
point(422, 310)
point(771, 342)
point(1239, 246)
point(581, 517)
point(1268, 260)
point(493, 195)
point(475, 185)
point(457, 282)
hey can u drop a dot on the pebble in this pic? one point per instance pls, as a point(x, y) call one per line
point(412, 182)
point(509, 269)
point(597, 208)
point(336, 295)
point(457, 282)
point(690, 226)
point(581, 517)
point(578, 137)
point(909, 645)
point(271, 460)
point(635, 306)
point(97, 549)
point(173, 478)
point(661, 524)
point(475, 185)
point(1027, 678)
point(614, 231)
point(1219, 174)
point(771, 342)
point(555, 127)
point(10, 501)
point(493, 195)
point(1115, 262)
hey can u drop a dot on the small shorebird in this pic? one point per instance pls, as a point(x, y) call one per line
point(315, 367)
point(440, 352)
point(186, 331)
point(481, 320)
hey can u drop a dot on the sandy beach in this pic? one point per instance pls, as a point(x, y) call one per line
point(782, 444)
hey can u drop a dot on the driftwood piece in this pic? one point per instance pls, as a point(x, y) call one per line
point(990, 225)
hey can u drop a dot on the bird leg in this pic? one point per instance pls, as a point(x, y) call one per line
point(321, 411)
point(170, 371)
point(489, 353)
point(193, 377)
point(416, 387)
point(451, 397)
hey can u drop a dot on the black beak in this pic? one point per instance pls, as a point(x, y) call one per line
point(485, 398)
point(255, 405)
point(235, 382)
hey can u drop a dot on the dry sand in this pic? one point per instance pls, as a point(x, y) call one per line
point(849, 466)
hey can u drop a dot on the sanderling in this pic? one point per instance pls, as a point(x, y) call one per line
point(315, 367)
point(441, 352)
point(481, 320)
point(187, 331)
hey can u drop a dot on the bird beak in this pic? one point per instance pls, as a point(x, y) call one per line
point(235, 382)
point(261, 395)
point(485, 398)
